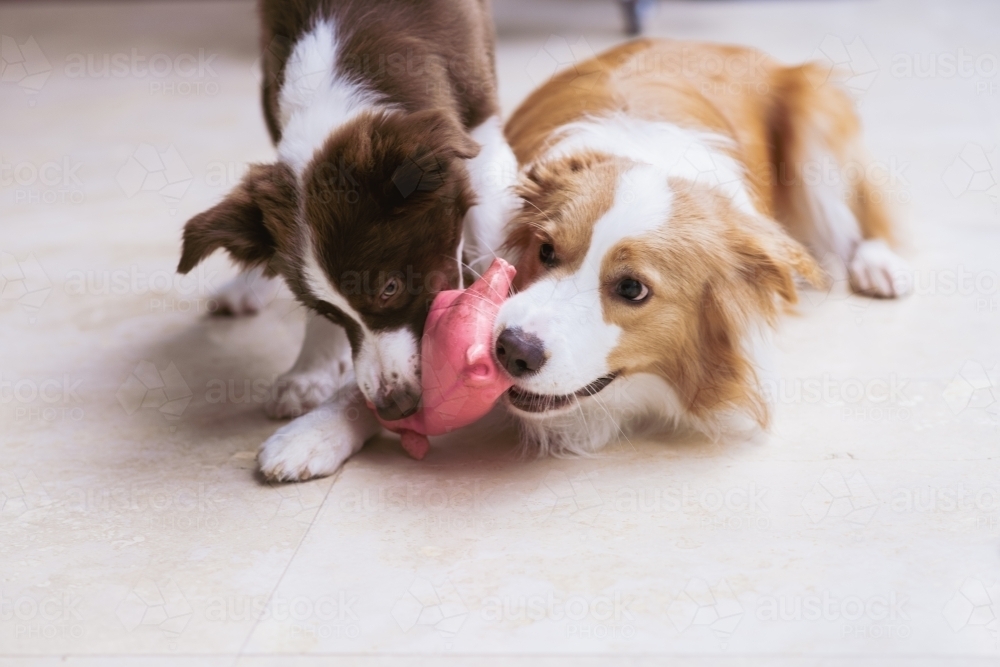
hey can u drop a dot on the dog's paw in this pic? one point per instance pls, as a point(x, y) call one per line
point(875, 270)
point(297, 392)
point(317, 444)
point(296, 454)
point(246, 294)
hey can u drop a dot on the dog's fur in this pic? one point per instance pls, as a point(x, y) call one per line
point(391, 166)
point(701, 181)
point(673, 195)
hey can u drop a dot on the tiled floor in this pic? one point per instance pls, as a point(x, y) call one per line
point(864, 529)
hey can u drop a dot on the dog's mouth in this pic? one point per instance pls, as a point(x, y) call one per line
point(529, 402)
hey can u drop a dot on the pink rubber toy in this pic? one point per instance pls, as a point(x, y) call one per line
point(461, 380)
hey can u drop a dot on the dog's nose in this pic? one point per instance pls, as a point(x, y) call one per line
point(519, 352)
point(397, 403)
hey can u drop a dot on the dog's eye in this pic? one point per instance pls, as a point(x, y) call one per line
point(547, 254)
point(632, 289)
point(390, 289)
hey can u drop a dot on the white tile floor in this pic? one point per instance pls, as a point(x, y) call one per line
point(865, 529)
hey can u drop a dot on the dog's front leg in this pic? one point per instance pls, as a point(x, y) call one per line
point(318, 372)
point(317, 444)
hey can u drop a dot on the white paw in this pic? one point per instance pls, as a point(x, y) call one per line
point(295, 393)
point(245, 294)
point(317, 444)
point(876, 270)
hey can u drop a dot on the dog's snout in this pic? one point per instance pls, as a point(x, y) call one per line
point(519, 352)
point(397, 403)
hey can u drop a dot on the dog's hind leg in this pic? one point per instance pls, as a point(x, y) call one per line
point(245, 294)
point(825, 189)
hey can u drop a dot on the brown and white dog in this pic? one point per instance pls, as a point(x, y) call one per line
point(672, 194)
point(392, 167)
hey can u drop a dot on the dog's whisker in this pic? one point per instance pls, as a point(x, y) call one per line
point(614, 421)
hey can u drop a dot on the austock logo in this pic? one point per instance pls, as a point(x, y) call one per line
point(24, 282)
point(150, 170)
point(884, 616)
point(152, 604)
point(584, 616)
point(47, 399)
point(849, 64)
point(701, 605)
point(148, 388)
point(558, 54)
point(43, 616)
point(836, 497)
point(20, 493)
point(576, 498)
point(436, 606)
point(975, 169)
point(974, 606)
point(182, 74)
point(50, 182)
point(975, 388)
point(23, 64)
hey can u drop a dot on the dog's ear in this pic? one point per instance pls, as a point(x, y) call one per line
point(552, 176)
point(532, 182)
point(439, 133)
point(466, 147)
point(769, 259)
point(422, 153)
point(756, 276)
point(398, 158)
point(451, 139)
point(422, 171)
point(248, 223)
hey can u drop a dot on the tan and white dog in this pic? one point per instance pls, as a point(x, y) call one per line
point(673, 193)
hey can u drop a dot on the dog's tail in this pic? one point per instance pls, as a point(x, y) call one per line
point(827, 190)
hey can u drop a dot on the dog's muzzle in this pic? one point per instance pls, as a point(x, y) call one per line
point(397, 403)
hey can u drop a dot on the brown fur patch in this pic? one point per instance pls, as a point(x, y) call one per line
point(420, 54)
point(562, 200)
point(386, 195)
point(767, 109)
point(714, 273)
point(252, 222)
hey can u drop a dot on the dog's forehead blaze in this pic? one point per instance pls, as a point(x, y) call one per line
point(591, 197)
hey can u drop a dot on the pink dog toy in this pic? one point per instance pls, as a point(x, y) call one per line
point(461, 380)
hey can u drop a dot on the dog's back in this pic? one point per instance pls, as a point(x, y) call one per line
point(418, 54)
point(785, 121)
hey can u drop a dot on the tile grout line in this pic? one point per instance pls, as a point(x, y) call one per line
point(336, 476)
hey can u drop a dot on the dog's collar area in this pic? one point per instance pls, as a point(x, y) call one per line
point(527, 401)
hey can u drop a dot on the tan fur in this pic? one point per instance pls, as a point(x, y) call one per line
point(803, 100)
point(763, 106)
point(562, 201)
point(730, 268)
point(715, 272)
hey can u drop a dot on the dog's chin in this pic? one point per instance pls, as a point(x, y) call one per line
point(537, 405)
